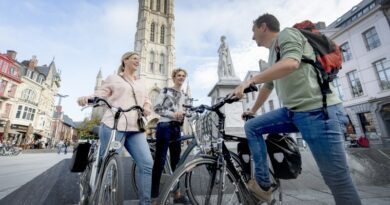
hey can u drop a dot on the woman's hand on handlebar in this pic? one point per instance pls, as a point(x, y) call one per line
point(83, 101)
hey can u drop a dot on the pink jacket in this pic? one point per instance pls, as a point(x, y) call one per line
point(119, 93)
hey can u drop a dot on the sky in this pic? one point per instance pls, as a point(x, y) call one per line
point(83, 36)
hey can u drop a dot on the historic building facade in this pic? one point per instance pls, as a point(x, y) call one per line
point(364, 81)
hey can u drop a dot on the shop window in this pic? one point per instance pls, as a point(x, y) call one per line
point(368, 126)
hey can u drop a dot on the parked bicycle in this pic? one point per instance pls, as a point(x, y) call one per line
point(102, 180)
point(217, 178)
point(9, 150)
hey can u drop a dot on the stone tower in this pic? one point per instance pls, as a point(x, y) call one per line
point(155, 42)
point(97, 112)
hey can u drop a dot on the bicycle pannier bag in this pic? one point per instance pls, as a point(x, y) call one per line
point(285, 156)
point(80, 157)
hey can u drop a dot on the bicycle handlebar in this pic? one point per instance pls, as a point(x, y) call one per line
point(95, 102)
point(227, 99)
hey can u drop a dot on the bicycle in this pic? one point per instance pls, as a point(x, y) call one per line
point(225, 179)
point(194, 143)
point(102, 180)
point(8, 150)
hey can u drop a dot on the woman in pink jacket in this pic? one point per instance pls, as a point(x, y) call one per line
point(119, 90)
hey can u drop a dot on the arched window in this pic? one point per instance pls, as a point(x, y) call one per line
point(158, 5)
point(162, 34)
point(153, 96)
point(151, 62)
point(162, 63)
point(151, 4)
point(152, 30)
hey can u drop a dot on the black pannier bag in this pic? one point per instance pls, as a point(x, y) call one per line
point(285, 156)
point(80, 157)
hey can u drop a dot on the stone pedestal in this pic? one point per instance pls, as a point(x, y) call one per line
point(233, 123)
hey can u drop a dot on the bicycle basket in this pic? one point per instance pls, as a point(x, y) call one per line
point(206, 129)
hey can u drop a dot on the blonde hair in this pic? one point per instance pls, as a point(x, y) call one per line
point(177, 70)
point(125, 56)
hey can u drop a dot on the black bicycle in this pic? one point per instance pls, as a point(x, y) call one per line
point(102, 180)
point(217, 178)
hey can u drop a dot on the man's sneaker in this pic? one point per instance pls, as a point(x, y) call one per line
point(260, 194)
point(181, 200)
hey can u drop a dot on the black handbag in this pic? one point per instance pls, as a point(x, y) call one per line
point(79, 159)
point(284, 155)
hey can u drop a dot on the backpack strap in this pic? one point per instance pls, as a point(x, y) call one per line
point(323, 83)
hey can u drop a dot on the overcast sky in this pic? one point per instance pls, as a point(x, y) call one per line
point(85, 35)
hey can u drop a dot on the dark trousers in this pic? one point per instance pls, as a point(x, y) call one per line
point(166, 133)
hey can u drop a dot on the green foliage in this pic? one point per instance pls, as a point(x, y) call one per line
point(84, 130)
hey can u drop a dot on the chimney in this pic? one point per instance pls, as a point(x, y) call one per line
point(11, 54)
point(33, 62)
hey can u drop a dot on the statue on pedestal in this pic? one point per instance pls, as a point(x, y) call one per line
point(225, 64)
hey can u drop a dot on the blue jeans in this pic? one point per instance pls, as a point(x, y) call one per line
point(324, 138)
point(136, 144)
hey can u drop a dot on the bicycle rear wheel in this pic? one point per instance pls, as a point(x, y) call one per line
point(111, 186)
point(203, 180)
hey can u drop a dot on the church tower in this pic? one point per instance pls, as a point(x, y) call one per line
point(155, 42)
point(97, 112)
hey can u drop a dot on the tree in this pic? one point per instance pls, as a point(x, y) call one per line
point(84, 129)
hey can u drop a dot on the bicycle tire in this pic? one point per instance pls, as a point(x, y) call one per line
point(111, 185)
point(204, 163)
point(85, 189)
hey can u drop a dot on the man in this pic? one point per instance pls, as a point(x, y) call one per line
point(300, 94)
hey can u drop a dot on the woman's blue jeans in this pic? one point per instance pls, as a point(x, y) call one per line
point(325, 138)
point(136, 144)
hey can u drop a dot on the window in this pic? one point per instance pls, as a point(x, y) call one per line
point(347, 55)
point(25, 113)
point(151, 63)
point(355, 84)
point(165, 6)
point(162, 63)
point(153, 96)
point(158, 5)
point(19, 111)
point(383, 70)
point(371, 39)
point(162, 34)
point(152, 30)
point(337, 85)
point(271, 105)
point(7, 110)
point(29, 73)
point(12, 90)
point(367, 122)
point(3, 86)
point(12, 70)
point(151, 4)
point(28, 95)
point(40, 79)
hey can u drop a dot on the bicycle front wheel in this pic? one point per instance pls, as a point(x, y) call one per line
point(204, 184)
point(111, 186)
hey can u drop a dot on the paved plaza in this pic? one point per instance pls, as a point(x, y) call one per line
point(44, 178)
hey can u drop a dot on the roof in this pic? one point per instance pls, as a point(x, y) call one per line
point(353, 14)
point(69, 121)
